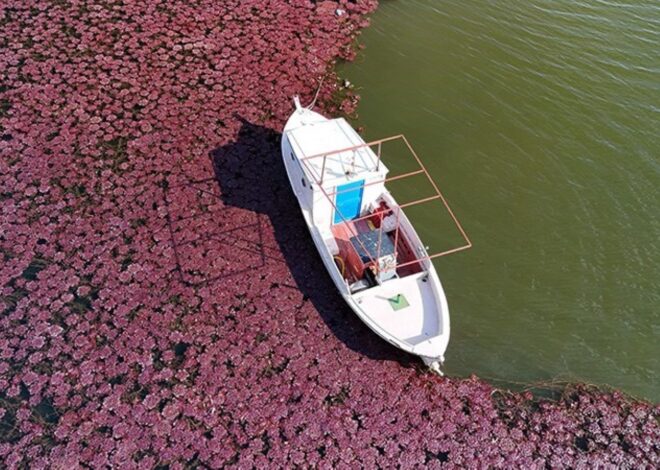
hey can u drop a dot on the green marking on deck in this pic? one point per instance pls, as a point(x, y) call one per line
point(398, 302)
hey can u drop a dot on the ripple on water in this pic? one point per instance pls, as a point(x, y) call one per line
point(540, 120)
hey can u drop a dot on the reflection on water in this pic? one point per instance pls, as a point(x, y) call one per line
point(541, 122)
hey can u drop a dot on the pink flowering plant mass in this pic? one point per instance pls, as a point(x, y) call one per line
point(162, 305)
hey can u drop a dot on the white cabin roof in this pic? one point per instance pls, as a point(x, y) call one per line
point(317, 137)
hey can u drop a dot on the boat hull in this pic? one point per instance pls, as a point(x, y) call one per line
point(423, 329)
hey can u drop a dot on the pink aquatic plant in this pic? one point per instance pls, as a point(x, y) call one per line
point(162, 304)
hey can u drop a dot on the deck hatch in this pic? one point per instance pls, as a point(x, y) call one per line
point(398, 302)
point(376, 245)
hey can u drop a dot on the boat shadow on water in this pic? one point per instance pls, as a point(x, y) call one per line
point(250, 175)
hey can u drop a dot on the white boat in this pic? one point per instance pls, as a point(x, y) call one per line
point(372, 252)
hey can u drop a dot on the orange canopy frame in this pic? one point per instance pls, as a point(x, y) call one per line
point(399, 207)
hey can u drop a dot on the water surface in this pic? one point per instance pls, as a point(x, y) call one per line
point(541, 122)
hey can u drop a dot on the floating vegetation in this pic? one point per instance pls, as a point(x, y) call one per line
point(176, 326)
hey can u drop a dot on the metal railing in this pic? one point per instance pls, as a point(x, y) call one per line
point(399, 207)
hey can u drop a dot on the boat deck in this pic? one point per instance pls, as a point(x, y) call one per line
point(354, 264)
point(405, 308)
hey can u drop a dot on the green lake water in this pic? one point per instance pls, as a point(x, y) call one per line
point(540, 120)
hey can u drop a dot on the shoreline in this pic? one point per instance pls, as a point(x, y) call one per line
point(162, 302)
